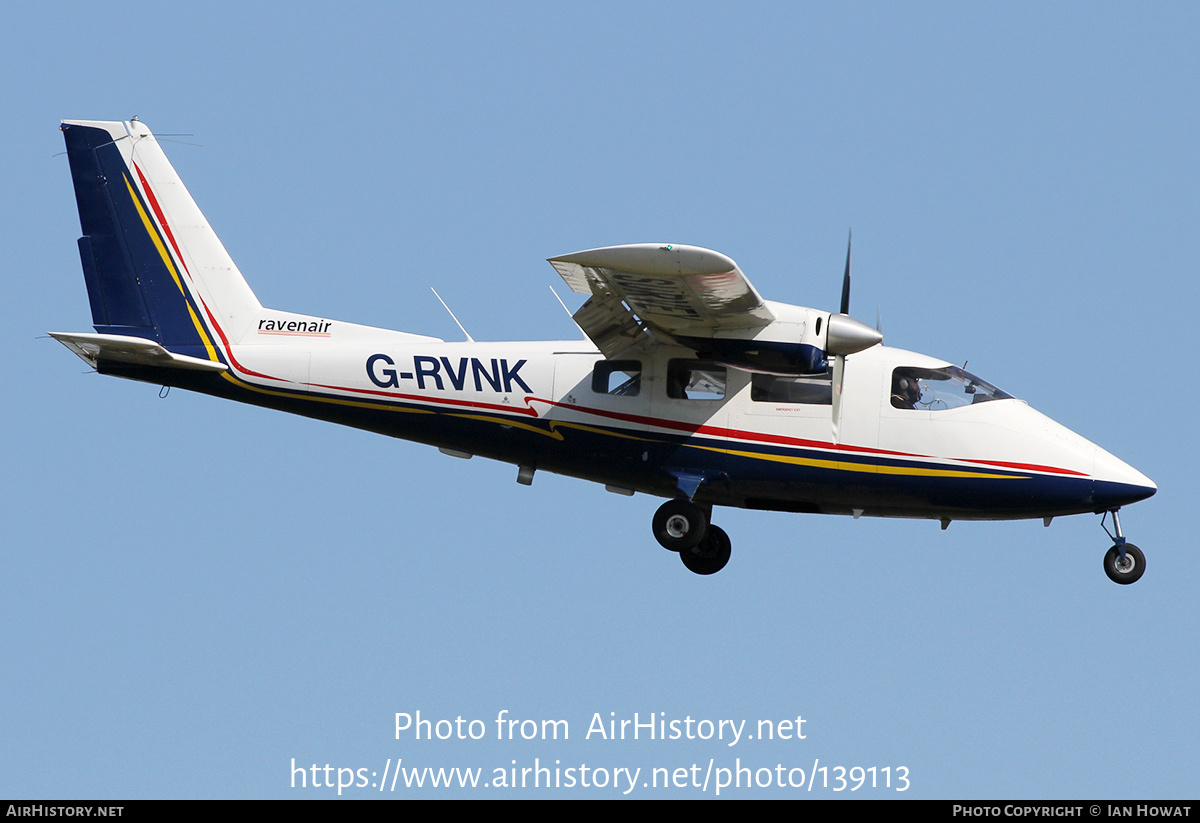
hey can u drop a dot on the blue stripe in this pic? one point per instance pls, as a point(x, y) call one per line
point(636, 459)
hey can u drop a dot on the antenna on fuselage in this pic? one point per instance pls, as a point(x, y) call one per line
point(470, 339)
point(568, 311)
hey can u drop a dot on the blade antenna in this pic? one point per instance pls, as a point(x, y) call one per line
point(470, 339)
point(568, 311)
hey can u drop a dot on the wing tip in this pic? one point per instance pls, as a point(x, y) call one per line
point(654, 259)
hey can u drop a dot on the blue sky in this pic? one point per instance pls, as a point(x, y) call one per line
point(199, 592)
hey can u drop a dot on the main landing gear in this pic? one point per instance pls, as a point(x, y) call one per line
point(683, 526)
point(1124, 563)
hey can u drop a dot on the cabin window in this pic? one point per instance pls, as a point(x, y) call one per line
point(695, 380)
point(938, 389)
point(619, 377)
point(810, 390)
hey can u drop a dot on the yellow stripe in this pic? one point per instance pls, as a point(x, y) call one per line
point(556, 424)
point(153, 232)
point(318, 398)
point(212, 353)
point(863, 468)
point(504, 421)
point(166, 258)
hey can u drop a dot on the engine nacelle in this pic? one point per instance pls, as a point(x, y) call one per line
point(797, 345)
point(845, 335)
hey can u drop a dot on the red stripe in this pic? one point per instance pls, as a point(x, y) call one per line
point(735, 434)
point(712, 431)
point(162, 221)
point(1025, 466)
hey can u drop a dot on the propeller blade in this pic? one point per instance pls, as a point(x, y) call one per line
point(844, 336)
point(839, 370)
point(846, 277)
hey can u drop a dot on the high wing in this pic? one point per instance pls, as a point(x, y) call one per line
point(657, 293)
point(679, 291)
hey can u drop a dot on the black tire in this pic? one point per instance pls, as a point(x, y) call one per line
point(1131, 571)
point(679, 524)
point(711, 555)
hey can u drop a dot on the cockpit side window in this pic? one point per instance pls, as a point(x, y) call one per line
point(937, 389)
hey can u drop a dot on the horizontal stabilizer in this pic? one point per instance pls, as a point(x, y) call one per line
point(133, 351)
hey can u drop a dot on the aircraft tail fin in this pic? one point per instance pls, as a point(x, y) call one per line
point(154, 267)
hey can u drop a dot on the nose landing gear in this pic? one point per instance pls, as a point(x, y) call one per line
point(1124, 563)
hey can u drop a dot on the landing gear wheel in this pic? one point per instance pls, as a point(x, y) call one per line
point(1127, 571)
point(679, 524)
point(711, 555)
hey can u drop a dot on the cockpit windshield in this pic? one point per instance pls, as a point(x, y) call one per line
point(936, 389)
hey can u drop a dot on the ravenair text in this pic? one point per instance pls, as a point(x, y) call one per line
point(442, 373)
point(307, 327)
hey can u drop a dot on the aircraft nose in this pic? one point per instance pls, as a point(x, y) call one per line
point(1117, 483)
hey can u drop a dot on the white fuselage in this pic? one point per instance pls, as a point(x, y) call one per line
point(537, 404)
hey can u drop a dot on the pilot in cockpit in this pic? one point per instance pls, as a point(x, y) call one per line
point(906, 391)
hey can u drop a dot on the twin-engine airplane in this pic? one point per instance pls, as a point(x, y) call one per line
point(693, 387)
